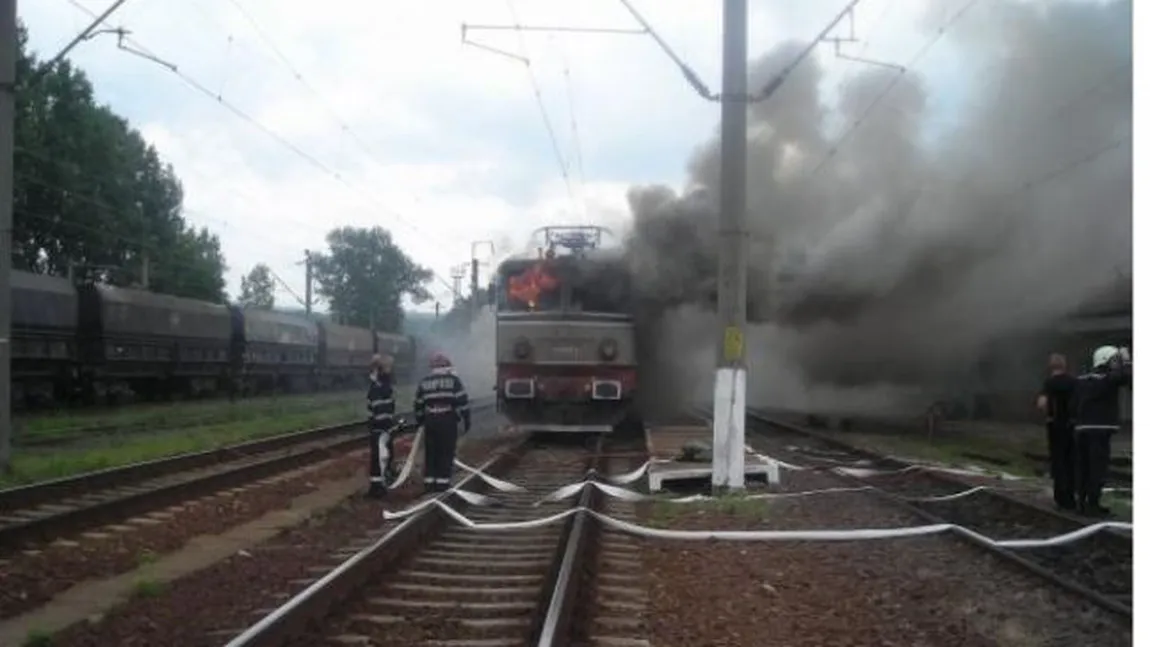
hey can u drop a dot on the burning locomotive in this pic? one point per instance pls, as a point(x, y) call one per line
point(565, 337)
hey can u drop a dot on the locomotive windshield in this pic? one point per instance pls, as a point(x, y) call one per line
point(534, 288)
point(553, 285)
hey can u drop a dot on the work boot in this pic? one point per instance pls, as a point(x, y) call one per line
point(1090, 507)
point(1095, 510)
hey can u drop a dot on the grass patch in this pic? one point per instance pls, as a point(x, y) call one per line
point(664, 512)
point(146, 588)
point(1122, 507)
point(37, 638)
point(113, 451)
point(183, 414)
point(953, 451)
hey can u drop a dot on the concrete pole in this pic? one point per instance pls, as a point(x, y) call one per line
point(731, 374)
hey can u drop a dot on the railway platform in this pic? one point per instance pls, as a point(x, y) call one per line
point(665, 446)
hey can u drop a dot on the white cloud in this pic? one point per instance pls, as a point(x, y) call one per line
point(456, 147)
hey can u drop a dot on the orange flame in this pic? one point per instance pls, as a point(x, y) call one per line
point(527, 286)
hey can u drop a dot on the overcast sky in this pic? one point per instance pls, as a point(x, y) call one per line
point(394, 123)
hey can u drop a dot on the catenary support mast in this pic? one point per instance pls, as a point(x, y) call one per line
point(731, 374)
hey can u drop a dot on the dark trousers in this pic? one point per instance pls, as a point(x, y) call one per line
point(1093, 449)
point(381, 456)
point(439, 451)
point(1060, 445)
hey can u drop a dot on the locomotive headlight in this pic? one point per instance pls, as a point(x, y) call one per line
point(608, 349)
point(522, 348)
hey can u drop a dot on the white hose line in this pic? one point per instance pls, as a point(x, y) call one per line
point(408, 464)
point(854, 534)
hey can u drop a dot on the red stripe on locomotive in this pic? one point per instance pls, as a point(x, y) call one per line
point(568, 380)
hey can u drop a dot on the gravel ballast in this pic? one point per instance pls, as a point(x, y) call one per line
point(32, 577)
point(208, 607)
point(934, 590)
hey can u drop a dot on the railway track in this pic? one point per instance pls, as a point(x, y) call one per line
point(433, 581)
point(1099, 567)
point(44, 511)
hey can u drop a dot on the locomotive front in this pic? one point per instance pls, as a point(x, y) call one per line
point(565, 344)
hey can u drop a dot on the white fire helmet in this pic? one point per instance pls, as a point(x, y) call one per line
point(1105, 354)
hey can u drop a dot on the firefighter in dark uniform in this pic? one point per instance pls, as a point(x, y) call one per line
point(1054, 402)
point(1097, 412)
point(441, 405)
point(381, 412)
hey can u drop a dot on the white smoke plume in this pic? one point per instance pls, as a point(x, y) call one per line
point(471, 351)
point(911, 249)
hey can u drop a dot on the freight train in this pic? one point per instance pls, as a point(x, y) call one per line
point(95, 343)
point(565, 340)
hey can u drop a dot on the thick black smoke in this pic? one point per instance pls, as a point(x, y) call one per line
point(907, 254)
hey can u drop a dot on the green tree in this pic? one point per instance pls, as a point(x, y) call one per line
point(91, 196)
point(257, 289)
point(365, 276)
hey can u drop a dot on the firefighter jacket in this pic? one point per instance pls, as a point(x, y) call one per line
point(380, 402)
point(441, 395)
point(1096, 398)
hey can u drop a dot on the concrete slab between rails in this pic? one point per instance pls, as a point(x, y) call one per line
point(666, 443)
point(97, 597)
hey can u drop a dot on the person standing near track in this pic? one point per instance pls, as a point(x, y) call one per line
point(441, 405)
point(381, 411)
point(1054, 402)
point(1096, 413)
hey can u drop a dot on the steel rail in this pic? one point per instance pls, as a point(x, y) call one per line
point(314, 602)
point(556, 624)
point(33, 494)
point(1093, 596)
point(124, 502)
point(942, 478)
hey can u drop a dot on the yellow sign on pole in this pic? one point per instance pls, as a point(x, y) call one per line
point(732, 344)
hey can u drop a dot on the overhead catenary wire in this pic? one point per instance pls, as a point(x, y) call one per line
point(132, 45)
point(577, 152)
point(688, 72)
point(563, 166)
point(97, 20)
point(134, 243)
point(104, 207)
point(346, 128)
point(895, 80)
point(64, 164)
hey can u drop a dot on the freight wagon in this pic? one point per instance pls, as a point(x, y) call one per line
point(96, 343)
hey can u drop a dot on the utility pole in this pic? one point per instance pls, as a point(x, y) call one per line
point(307, 282)
point(475, 283)
point(730, 407)
point(476, 305)
point(7, 151)
point(457, 273)
point(731, 374)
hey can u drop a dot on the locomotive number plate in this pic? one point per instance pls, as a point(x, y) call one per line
point(566, 352)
